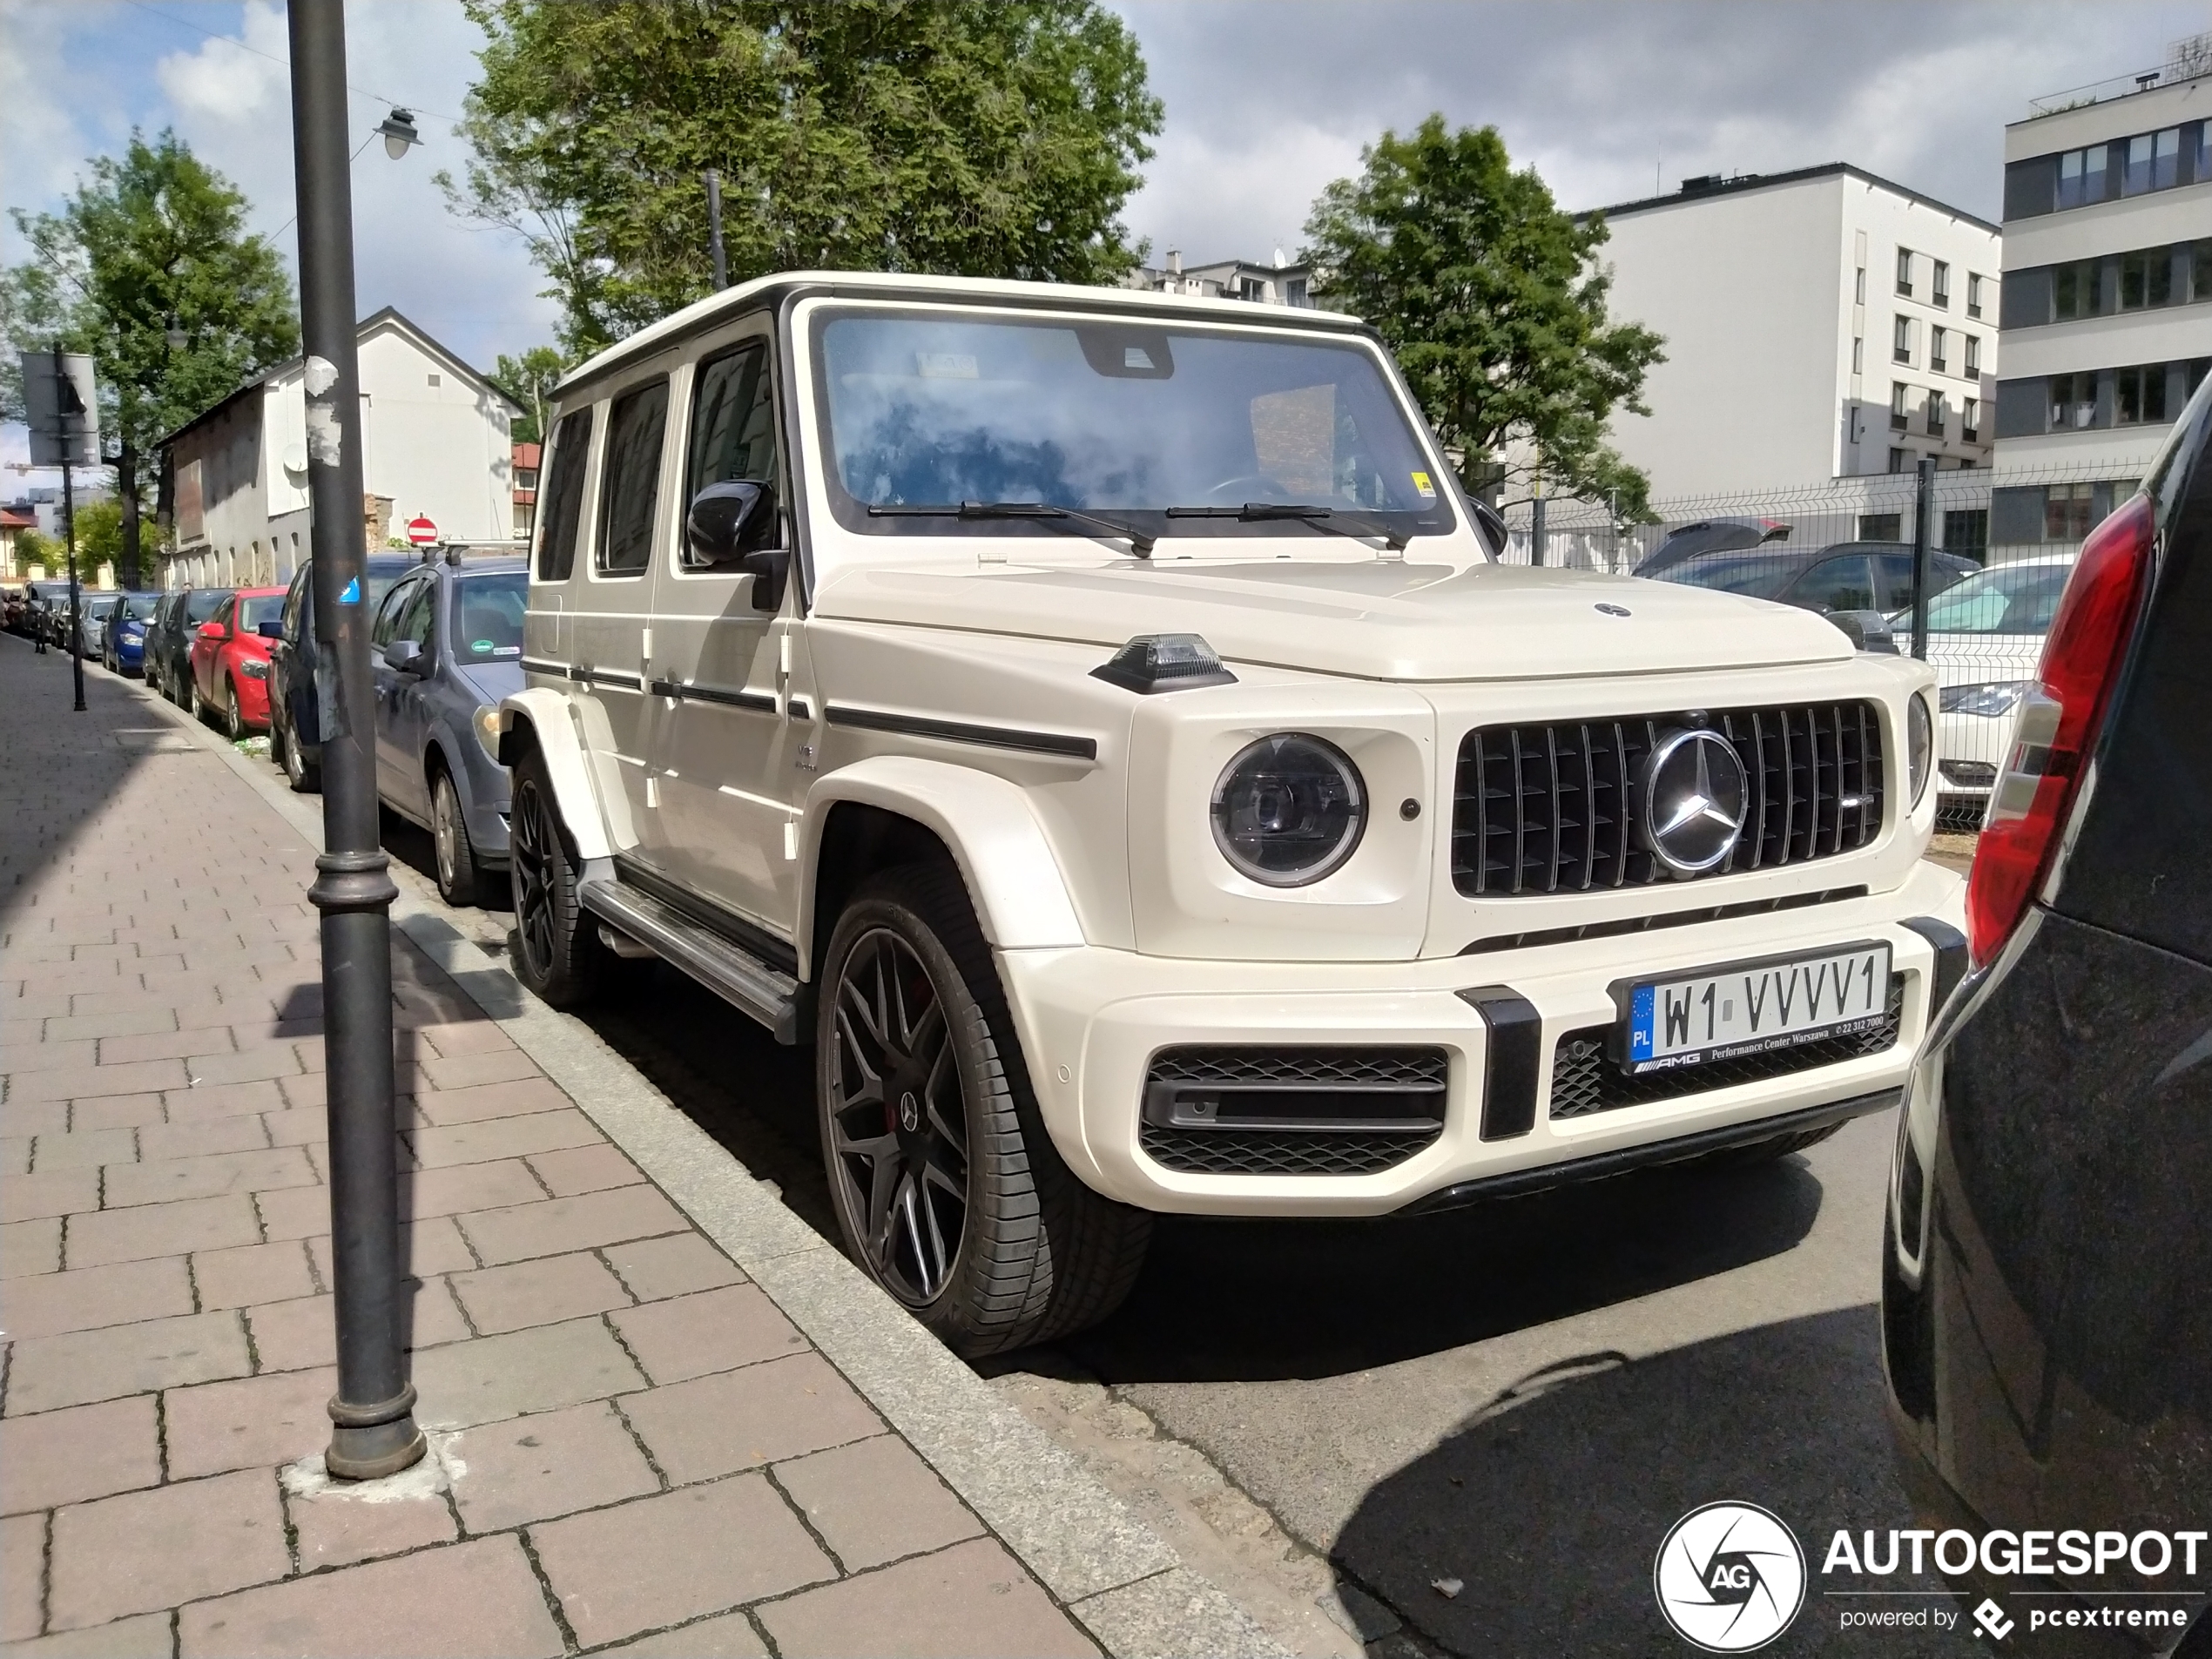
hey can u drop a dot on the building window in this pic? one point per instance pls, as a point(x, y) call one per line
point(2077, 290)
point(1858, 287)
point(1938, 351)
point(2153, 162)
point(1974, 294)
point(1970, 419)
point(526, 478)
point(437, 380)
point(2200, 269)
point(1939, 415)
point(1898, 392)
point(1898, 458)
point(2139, 395)
point(1940, 286)
point(2066, 512)
point(1857, 355)
point(2146, 278)
point(2081, 175)
point(1901, 340)
point(1905, 271)
point(1972, 368)
point(2074, 400)
point(1884, 527)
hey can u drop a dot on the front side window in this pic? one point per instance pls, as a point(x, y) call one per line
point(1173, 428)
point(383, 631)
point(487, 615)
point(733, 432)
point(631, 489)
point(563, 505)
point(252, 613)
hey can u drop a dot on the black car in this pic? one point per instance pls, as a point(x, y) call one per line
point(169, 636)
point(46, 610)
point(1842, 576)
point(295, 729)
point(2047, 1285)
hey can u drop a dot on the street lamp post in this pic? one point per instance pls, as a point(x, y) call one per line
point(373, 1413)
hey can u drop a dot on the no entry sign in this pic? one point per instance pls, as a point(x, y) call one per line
point(422, 530)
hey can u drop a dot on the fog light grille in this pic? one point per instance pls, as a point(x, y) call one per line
point(1291, 1110)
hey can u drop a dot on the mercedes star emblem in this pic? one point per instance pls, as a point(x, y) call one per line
point(1695, 800)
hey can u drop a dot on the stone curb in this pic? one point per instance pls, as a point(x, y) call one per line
point(1124, 1582)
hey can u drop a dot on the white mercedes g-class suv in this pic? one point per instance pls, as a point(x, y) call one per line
point(1099, 725)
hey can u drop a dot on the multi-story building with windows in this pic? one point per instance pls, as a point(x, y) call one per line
point(1819, 324)
point(2107, 317)
point(1286, 282)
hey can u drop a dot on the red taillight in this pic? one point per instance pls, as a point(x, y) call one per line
point(2057, 725)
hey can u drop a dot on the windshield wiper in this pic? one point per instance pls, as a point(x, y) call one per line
point(1067, 517)
point(1322, 518)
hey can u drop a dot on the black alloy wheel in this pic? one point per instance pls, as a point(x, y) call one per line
point(896, 1120)
point(558, 953)
point(948, 1191)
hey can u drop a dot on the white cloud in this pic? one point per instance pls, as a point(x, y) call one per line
point(38, 129)
point(232, 81)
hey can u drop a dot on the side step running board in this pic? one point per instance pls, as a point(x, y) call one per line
point(732, 973)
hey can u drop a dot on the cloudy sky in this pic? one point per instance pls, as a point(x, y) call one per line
point(1267, 100)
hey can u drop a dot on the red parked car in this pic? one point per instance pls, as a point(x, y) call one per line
point(230, 660)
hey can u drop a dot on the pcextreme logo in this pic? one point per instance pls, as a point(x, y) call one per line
point(1729, 1577)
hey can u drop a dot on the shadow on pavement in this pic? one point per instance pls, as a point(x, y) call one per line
point(1550, 1504)
point(1223, 1300)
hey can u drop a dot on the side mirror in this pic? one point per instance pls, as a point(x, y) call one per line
point(213, 631)
point(271, 630)
point(1866, 629)
point(768, 571)
point(403, 656)
point(726, 520)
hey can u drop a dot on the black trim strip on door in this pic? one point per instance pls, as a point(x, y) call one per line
point(994, 737)
point(609, 676)
point(759, 702)
point(546, 665)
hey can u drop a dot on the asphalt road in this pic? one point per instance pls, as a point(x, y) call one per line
point(1331, 1417)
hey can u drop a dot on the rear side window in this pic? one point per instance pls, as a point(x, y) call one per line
point(561, 504)
point(632, 487)
point(1838, 584)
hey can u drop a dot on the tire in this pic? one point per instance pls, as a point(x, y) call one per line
point(193, 704)
point(233, 722)
point(558, 953)
point(304, 779)
point(455, 858)
point(1033, 1254)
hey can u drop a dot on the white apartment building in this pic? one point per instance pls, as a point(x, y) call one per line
point(435, 443)
point(2107, 310)
point(1819, 324)
point(1286, 282)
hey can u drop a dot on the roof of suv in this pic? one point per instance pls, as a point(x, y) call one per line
point(874, 284)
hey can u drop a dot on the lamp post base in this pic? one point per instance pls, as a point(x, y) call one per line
point(368, 1442)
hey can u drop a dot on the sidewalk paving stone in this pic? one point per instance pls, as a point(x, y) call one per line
point(728, 1635)
point(97, 1238)
point(581, 1223)
point(970, 1601)
point(691, 1336)
point(250, 1273)
point(554, 1463)
point(469, 1600)
point(28, 1197)
point(336, 1528)
point(144, 1550)
point(541, 1369)
point(84, 1150)
point(671, 1266)
point(739, 1420)
point(29, 1247)
point(22, 1548)
point(579, 1169)
point(79, 1367)
point(78, 1453)
point(91, 1296)
point(503, 1137)
point(160, 1143)
point(107, 1111)
point(291, 1336)
point(273, 1419)
point(171, 1179)
point(874, 1501)
point(539, 1291)
point(650, 1563)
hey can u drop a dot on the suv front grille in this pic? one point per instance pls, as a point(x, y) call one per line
point(1559, 808)
point(1291, 1110)
point(1584, 1081)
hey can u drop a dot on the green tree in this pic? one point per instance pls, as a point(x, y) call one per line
point(529, 379)
point(99, 537)
point(982, 137)
point(150, 245)
point(1493, 301)
point(35, 547)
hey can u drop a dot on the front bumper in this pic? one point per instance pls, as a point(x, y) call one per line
point(1092, 1021)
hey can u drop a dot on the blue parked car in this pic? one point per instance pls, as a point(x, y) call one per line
point(123, 643)
point(445, 646)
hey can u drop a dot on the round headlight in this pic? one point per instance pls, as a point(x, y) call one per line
point(1288, 810)
point(1919, 745)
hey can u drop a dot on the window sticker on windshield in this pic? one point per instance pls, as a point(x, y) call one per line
point(945, 365)
point(506, 650)
point(479, 646)
point(1425, 485)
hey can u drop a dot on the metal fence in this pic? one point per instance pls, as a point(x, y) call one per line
point(2002, 543)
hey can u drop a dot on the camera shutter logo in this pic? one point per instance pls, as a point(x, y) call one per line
point(1695, 800)
point(1729, 1577)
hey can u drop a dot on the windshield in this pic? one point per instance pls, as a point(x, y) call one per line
point(488, 617)
point(1756, 577)
point(2011, 599)
point(97, 604)
point(252, 613)
point(203, 603)
point(1130, 419)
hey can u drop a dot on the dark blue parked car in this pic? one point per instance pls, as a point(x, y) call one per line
point(123, 644)
point(295, 725)
point(445, 646)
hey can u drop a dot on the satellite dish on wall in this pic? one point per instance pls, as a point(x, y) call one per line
point(295, 458)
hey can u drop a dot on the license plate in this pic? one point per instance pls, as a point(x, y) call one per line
point(1756, 1008)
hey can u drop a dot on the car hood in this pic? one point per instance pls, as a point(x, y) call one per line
point(491, 681)
point(1372, 619)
